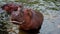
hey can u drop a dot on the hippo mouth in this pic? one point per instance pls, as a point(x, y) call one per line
point(17, 22)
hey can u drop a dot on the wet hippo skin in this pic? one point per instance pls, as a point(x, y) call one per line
point(29, 20)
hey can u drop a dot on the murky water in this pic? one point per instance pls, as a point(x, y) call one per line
point(51, 23)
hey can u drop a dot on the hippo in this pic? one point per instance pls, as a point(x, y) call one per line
point(10, 7)
point(29, 20)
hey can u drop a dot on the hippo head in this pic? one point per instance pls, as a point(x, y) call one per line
point(21, 16)
point(10, 7)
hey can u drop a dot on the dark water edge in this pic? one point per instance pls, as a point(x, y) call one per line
point(24, 32)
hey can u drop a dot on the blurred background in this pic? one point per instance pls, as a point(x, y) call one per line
point(49, 8)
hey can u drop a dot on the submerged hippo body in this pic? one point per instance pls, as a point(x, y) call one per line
point(27, 19)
